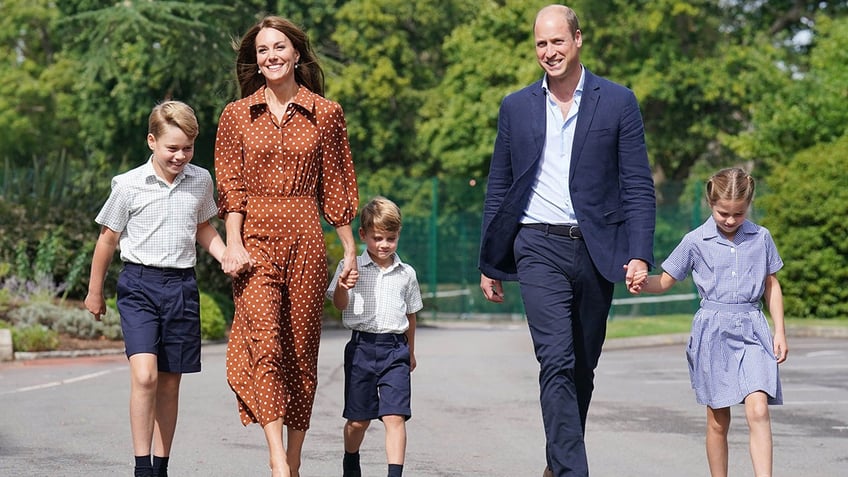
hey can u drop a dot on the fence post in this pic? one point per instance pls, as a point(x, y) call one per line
point(434, 243)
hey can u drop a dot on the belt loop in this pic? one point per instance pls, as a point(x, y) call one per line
point(547, 229)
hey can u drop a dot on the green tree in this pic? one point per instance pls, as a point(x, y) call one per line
point(35, 85)
point(138, 53)
point(805, 210)
point(808, 107)
point(459, 118)
point(390, 51)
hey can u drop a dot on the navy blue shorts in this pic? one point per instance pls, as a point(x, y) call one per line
point(160, 314)
point(377, 381)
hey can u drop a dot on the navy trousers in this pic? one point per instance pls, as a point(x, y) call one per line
point(567, 303)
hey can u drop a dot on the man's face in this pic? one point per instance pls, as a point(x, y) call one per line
point(557, 50)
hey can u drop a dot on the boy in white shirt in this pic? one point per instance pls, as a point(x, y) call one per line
point(156, 212)
point(380, 311)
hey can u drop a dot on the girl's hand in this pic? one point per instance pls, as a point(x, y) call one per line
point(781, 349)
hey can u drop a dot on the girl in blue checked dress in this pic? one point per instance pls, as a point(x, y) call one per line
point(732, 355)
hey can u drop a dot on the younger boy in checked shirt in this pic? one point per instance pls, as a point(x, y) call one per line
point(380, 311)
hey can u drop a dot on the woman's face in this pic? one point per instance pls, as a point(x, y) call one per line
point(275, 55)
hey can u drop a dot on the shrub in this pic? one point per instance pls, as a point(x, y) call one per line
point(805, 211)
point(34, 338)
point(213, 325)
point(74, 322)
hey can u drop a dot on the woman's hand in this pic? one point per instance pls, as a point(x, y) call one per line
point(349, 274)
point(236, 260)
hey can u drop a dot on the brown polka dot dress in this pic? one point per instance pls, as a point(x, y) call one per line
point(282, 177)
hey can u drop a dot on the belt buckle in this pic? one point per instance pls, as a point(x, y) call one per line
point(571, 235)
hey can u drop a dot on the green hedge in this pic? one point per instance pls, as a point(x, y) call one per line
point(807, 213)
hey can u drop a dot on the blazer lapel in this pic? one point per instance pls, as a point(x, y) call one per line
point(588, 106)
point(539, 118)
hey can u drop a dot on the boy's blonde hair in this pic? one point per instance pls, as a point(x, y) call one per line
point(173, 113)
point(380, 214)
point(730, 184)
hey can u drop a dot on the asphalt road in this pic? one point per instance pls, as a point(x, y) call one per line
point(475, 413)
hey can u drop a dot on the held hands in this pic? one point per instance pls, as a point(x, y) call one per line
point(236, 260)
point(349, 281)
point(636, 276)
point(349, 274)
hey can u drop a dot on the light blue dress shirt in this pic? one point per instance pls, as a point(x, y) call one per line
point(550, 199)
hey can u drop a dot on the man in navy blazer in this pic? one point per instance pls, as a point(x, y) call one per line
point(570, 202)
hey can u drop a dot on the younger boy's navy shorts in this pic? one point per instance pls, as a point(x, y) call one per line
point(377, 380)
point(160, 314)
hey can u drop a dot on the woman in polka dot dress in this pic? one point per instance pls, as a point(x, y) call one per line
point(282, 160)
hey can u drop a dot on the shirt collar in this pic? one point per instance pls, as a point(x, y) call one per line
point(303, 98)
point(577, 91)
point(710, 229)
point(367, 261)
point(150, 172)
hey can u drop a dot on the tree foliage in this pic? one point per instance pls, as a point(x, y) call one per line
point(135, 54)
point(391, 54)
point(719, 82)
point(459, 117)
point(806, 105)
point(805, 211)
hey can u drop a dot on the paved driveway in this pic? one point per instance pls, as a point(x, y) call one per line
point(475, 414)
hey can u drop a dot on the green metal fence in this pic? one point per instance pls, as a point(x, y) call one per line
point(440, 238)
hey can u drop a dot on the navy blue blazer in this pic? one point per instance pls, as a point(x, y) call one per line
point(610, 179)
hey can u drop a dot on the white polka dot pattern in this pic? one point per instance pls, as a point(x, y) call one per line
point(282, 177)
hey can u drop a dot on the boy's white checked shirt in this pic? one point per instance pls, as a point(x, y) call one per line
point(157, 221)
point(381, 299)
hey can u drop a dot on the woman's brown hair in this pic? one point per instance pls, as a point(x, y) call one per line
point(307, 73)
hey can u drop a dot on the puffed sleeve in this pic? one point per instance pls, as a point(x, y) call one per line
point(338, 195)
point(229, 163)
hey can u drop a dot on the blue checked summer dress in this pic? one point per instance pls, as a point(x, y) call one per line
point(730, 350)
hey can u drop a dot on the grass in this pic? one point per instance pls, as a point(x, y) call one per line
point(666, 324)
point(652, 325)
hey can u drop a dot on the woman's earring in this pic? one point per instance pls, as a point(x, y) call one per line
point(259, 71)
point(296, 65)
